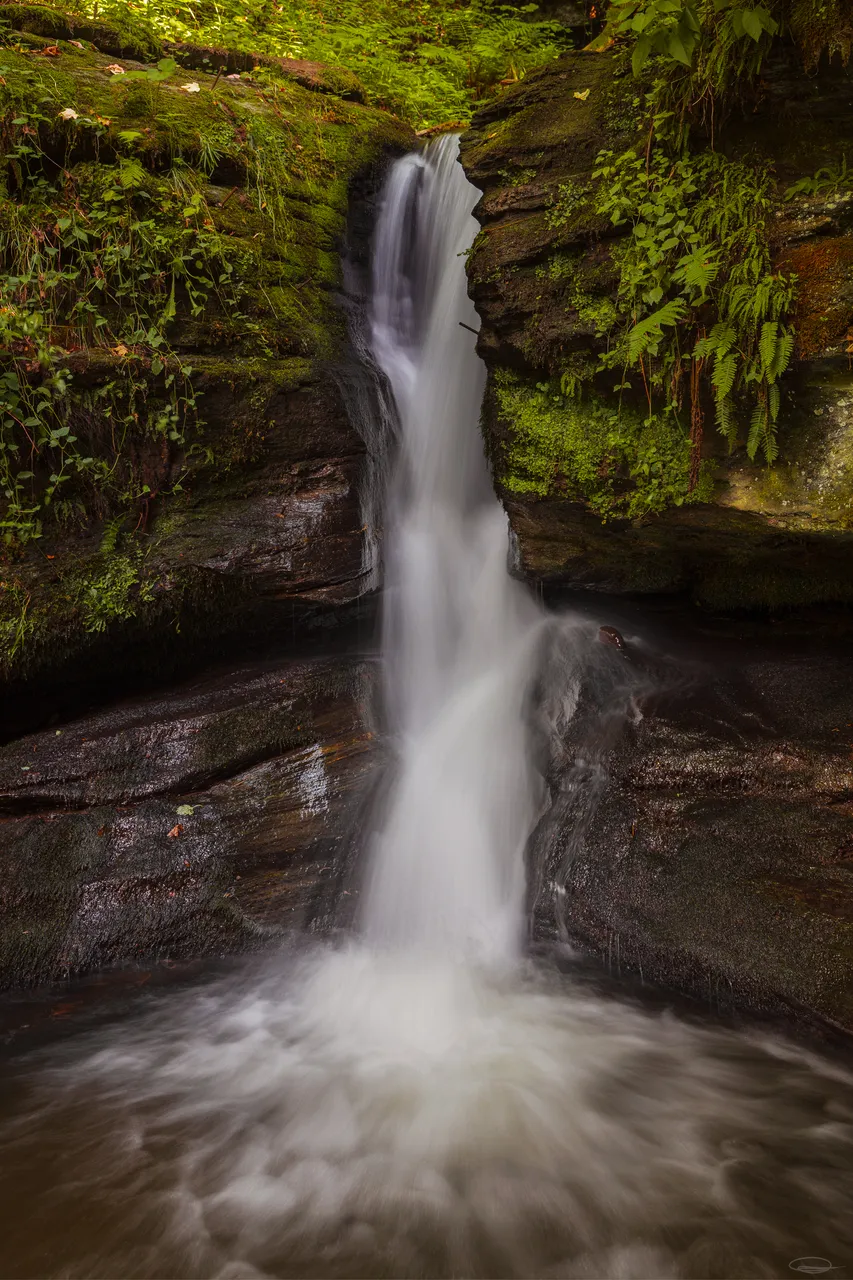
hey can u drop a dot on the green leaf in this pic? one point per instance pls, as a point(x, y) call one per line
point(676, 49)
point(185, 810)
point(752, 25)
point(770, 25)
point(640, 56)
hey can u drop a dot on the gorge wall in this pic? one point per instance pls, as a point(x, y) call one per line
point(545, 277)
point(192, 472)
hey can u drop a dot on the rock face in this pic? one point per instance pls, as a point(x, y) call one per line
point(220, 491)
point(770, 536)
point(702, 825)
point(271, 765)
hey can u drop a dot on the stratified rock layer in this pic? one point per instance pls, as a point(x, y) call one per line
point(98, 865)
point(707, 842)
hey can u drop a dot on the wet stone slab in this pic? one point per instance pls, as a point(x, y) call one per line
point(200, 821)
point(713, 850)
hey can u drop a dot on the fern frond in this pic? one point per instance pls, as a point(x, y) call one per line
point(784, 351)
point(767, 343)
point(774, 400)
point(111, 535)
point(757, 430)
point(726, 424)
point(644, 334)
point(723, 377)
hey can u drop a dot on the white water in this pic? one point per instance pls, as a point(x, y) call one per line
point(447, 872)
point(422, 1102)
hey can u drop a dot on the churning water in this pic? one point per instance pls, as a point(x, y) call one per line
point(422, 1101)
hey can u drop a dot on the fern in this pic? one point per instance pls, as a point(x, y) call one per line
point(111, 535)
point(645, 334)
point(767, 344)
point(757, 430)
point(726, 423)
point(723, 377)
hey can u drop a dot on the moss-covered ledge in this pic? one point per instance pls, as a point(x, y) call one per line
point(178, 462)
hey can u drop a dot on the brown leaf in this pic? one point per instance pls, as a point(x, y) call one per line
point(177, 829)
point(50, 51)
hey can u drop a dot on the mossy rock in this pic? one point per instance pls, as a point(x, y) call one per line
point(213, 211)
point(628, 510)
point(127, 37)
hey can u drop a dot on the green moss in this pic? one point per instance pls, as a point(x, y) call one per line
point(169, 268)
point(620, 463)
point(125, 35)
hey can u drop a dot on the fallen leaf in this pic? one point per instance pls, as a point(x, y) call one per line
point(234, 76)
point(78, 44)
point(582, 97)
point(50, 51)
point(192, 87)
point(115, 69)
point(185, 810)
point(176, 831)
point(120, 350)
point(68, 113)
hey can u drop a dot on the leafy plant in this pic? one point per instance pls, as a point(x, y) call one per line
point(828, 181)
point(427, 60)
point(674, 29)
point(697, 285)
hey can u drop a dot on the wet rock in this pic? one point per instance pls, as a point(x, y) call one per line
point(200, 821)
point(710, 847)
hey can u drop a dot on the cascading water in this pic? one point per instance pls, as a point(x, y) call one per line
point(447, 869)
point(410, 1104)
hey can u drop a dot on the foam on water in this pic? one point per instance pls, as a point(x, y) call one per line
point(370, 1115)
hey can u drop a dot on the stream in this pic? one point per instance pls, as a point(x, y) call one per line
point(419, 1096)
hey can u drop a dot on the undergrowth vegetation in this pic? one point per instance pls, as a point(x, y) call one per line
point(697, 288)
point(700, 320)
point(163, 232)
point(427, 60)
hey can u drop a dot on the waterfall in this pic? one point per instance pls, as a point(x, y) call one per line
point(391, 1105)
point(446, 870)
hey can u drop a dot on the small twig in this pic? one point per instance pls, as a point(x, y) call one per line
point(463, 325)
